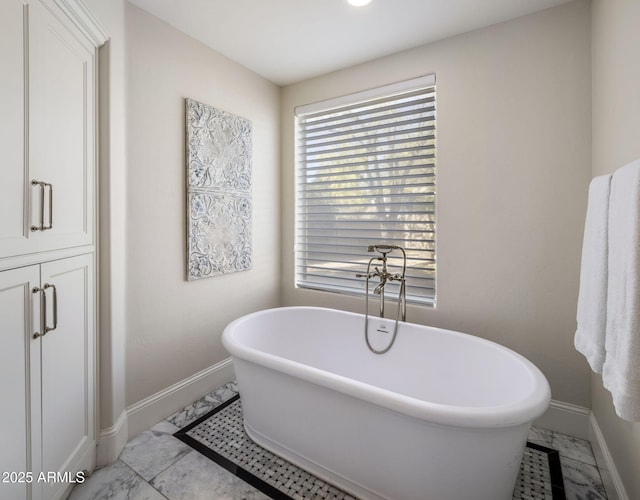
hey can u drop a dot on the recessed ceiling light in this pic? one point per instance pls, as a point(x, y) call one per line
point(359, 3)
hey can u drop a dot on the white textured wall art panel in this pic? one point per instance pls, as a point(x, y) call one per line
point(218, 192)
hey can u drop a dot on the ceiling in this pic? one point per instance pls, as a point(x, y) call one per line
point(287, 41)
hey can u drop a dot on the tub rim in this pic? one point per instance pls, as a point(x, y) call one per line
point(525, 410)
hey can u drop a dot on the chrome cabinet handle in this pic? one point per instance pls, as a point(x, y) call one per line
point(48, 329)
point(43, 187)
point(41, 226)
point(50, 226)
point(43, 319)
point(44, 329)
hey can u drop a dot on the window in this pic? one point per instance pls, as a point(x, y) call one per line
point(366, 174)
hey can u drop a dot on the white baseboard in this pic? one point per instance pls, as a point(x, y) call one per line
point(608, 471)
point(566, 418)
point(156, 407)
point(111, 441)
point(148, 412)
point(580, 422)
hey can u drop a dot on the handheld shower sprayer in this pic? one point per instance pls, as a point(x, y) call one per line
point(385, 276)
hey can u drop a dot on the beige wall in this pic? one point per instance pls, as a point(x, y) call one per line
point(616, 132)
point(514, 163)
point(174, 326)
point(513, 154)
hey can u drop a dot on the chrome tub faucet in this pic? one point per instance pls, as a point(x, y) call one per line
point(385, 276)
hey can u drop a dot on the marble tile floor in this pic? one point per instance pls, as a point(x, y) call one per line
point(156, 466)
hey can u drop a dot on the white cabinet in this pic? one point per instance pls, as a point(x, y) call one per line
point(19, 418)
point(67, 363)
point(48, 371)
point(47, 105)
point(47, 248)
point(14, 189)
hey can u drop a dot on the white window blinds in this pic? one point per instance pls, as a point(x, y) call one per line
point(366, 174)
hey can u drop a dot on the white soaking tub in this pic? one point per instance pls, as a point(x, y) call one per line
point(441, 416)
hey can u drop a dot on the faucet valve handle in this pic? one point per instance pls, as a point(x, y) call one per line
point(370, 275)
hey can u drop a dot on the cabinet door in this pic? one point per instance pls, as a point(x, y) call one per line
point(19, 366)
point(68, 375)
point(61, 132)
point(14, 177)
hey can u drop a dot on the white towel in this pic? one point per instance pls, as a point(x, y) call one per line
point(621, 370)
point(592, 296)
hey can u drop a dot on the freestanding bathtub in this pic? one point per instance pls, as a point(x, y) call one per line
point(441, 416)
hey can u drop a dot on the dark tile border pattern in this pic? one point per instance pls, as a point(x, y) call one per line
point(232, 467)
point(553, 456)
point(555, 469)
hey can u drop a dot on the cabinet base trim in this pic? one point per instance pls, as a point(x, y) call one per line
point(111, 441)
